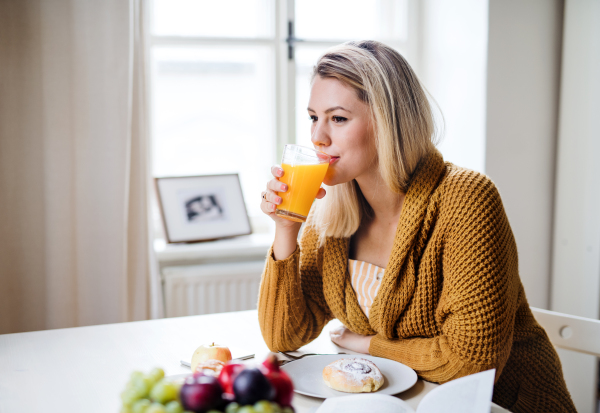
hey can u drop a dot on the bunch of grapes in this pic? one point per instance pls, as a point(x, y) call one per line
point(263, 406)
point(151, 393)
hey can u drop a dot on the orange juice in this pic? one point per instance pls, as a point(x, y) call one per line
point(303, 183)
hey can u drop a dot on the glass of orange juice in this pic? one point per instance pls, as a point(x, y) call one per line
point(304, 170)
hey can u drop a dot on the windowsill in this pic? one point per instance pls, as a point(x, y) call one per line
point(247, 247)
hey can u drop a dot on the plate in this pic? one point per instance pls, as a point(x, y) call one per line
point(178, 378)
point(307, 374)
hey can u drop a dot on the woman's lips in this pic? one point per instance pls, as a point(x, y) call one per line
point(333, 159)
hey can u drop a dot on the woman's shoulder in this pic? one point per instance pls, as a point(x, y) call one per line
point(465, 189)
point(459, 182)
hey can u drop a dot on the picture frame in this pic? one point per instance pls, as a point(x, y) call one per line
point(202, 207)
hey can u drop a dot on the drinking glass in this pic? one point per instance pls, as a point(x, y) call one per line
point(304, 170)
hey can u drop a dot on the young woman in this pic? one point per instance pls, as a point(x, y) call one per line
point(415, 256)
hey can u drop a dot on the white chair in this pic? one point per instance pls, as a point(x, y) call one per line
point(570, 332)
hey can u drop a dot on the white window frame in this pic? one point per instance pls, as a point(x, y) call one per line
point(285, 68)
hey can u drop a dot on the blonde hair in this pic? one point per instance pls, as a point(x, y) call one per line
point(403, 124)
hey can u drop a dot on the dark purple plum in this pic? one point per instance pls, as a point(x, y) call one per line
point(251, 386)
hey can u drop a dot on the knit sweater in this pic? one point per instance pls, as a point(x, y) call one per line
point(451, 302)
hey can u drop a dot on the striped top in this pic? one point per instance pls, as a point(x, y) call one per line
point(366, 280)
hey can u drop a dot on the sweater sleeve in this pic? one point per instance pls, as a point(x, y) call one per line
point(479, 298)
point(292, 309)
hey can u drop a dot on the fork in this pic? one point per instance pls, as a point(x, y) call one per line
point(292, 357)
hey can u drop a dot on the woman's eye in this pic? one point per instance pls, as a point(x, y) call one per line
point(339, 119)
point(313, 118)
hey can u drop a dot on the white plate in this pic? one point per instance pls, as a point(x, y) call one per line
point(307, 375)
point(178, 378)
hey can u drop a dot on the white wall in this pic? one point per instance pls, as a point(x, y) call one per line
point(453, 68)
point(576, 253)
point(523, 78)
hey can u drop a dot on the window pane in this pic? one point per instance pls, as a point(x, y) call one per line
point(212, 114)
point(306, 57)
point(223, 18)
point(352, 19)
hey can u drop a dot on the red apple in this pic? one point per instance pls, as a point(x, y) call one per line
point(201, 393)
point(210, 352)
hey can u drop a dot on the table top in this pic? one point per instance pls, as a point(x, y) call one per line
point(86, 368)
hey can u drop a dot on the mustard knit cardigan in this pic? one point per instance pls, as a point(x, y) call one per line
point(450, 303)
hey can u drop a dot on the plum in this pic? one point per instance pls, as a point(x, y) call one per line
point(250, 386)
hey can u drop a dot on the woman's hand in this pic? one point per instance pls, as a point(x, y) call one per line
point(270, 198)
point(350, 340)
point(286, 231)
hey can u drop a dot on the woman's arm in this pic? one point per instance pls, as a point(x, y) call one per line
point(291, 306)
point(479, 300)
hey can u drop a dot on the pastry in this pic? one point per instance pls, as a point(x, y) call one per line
point(210, 367)
point(353, 376)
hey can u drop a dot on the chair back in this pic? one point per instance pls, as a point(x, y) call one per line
point(570, 332)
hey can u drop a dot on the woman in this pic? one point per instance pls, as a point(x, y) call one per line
point(442, 294)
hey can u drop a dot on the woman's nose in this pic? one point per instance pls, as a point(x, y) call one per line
point(320, 137)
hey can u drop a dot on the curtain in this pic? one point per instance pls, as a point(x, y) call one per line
point(75, 239)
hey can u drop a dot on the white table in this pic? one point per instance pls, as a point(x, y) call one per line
point(86, 368)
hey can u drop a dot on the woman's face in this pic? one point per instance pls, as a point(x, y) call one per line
point(342, 128)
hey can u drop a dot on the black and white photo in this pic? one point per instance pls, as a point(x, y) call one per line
point(202, 208)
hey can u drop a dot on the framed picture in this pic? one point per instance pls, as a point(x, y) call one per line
point(202, 208)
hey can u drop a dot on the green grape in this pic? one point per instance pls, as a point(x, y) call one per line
point(246, 409)
point(264, 406)
point(174, 407)
point(142, 386)
point(276, 407)
point(156, 408)
point(232, 407)
point(156, 374)
point(135, 375)
point(287, 410)
point(214, 411)
point(164, 392)
point(129, 396)
point(140, 406)
point(126, 409)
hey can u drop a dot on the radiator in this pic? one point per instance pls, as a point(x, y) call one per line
point(211, 288)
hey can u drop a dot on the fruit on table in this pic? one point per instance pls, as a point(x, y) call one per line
point(156, 374)
point(262, 406)
point(174, 407)
point(201, 393)
point(147, 393)
point(232, 407)
point(208, 352)
point(140, 406)
point(238, 389)
point(250, 386)
point(228, 374)
point(156, 408)
point(164, 392)
point(265, 406)
point(281, 382)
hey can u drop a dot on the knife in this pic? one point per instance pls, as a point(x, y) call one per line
point(248, 357)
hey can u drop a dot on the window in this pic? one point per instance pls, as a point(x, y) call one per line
point(230, 79)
